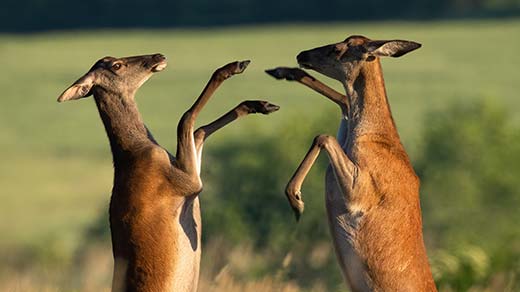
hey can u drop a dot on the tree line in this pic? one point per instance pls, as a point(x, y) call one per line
point(38, 15)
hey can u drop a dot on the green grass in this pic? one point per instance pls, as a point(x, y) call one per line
point(55, 170)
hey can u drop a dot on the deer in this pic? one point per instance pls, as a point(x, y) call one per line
point(155, 218)
point(371, 188)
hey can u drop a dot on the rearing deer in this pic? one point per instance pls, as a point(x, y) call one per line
point(372, 191)
point(154, 209)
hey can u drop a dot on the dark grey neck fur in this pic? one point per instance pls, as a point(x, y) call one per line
point(123, 124)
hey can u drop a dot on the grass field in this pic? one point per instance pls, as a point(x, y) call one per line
point(56, 171)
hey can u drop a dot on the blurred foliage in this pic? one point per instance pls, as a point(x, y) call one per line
point(35, 15)
point(470, 173)
point(470, 193)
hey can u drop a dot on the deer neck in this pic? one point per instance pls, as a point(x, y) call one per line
point(369, 113)
point(123, 124)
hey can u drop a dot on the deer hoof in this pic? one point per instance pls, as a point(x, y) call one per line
point(259, 106)
point(296, 202)
point(231, 69)
point(286, 73)
point(241, 66)
point(270, 108)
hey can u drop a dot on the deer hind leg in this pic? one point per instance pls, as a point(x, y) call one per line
point(344, 169)
point(186, 157)
point(244, 108)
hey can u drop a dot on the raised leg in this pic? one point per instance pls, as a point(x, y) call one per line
point(243, 109)
point(296, 74)
point(344, 169)
point(186, 158)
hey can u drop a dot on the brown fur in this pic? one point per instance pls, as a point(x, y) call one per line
point(154, 209)
point(372, 191)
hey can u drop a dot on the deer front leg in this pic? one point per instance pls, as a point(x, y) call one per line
point(296, 74)
point(186, 157)
point(244, 108)
point(343, 167)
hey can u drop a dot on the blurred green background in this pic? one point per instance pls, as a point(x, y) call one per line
point(454, 102)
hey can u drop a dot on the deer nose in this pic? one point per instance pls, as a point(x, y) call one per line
point(303, 57)
point(158, 57)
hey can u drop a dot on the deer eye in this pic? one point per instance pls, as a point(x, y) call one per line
point(116, 66)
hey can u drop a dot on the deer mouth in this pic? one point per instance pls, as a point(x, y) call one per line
point(160, 66)
point(305, 65)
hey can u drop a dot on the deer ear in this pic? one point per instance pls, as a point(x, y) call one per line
point(394, 48)
point(81, 88)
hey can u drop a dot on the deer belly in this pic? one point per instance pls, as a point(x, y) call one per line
point(186, 269)
point(187, 248)
point(343, 223)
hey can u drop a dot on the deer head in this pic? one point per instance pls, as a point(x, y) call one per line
point(118, 76)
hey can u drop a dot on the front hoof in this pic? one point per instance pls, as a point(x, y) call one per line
point(270, 108)
point(260, 106)
point(298, 209)
point(231, 69)
point(241, 66)
point(296, 202)
point(286, 73)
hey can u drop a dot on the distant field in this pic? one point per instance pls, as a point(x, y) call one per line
point(55, 170)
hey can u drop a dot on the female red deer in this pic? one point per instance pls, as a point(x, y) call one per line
point(154, 209)
point(372, 191)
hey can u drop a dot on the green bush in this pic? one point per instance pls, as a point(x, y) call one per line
point(469, 167)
